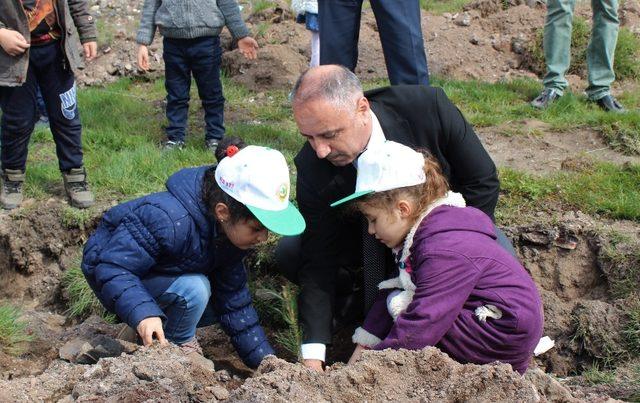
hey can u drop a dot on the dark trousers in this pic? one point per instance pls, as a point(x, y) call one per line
point(49, 70)
point(200, 57)
point(400, 33)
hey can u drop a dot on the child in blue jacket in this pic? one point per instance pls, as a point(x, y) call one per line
point(169, 262)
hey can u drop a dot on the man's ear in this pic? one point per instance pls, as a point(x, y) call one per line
point(405, 208)
point(362, 105)
point(222, 212)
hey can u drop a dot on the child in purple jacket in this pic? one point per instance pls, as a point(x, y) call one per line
point(457, 288)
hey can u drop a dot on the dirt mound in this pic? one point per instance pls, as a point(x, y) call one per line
point(152, 374)
point(408, 376)
point(581, 314)
point(37, 243)
point(278, 67)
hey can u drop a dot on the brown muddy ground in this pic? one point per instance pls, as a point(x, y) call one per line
point(566, 252)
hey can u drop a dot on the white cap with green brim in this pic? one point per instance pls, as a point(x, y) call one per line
point(387, 166)
point(258, 177)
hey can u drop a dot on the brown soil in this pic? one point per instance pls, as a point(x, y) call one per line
point(531, 146)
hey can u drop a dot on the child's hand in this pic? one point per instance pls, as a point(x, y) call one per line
point(248, 47)
point(143, 57)
point(13, 42)
point(149, 327)
point(90, 50)
point(357, 353)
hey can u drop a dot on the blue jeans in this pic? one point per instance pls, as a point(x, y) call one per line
point(186, 305)
point(400, 34)
point(200, 57)
point(49, 71)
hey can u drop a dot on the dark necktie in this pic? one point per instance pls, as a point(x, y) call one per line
point(373, 262)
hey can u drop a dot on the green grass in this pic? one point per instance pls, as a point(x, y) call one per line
point(123, 126)
point(606, 189)
point(13, 331)
point(261, 5)
point(507, 104)
point(594, 375)
point(82, 302)
point(631, 331)
point(443, 6)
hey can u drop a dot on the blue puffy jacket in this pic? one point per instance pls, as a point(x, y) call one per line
point(159, 237)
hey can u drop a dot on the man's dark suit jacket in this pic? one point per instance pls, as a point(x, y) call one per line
point(417, 116)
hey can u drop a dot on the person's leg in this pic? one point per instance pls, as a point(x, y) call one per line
point(58, 88)
point(204, 57)
point(184, 303)
point(315, 49)
point(557, 43)
point(177, 82)
point(18, 119)
point(339, 22)
point(602, 46)
point(401, 36)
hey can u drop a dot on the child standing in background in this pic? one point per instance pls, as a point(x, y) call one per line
point(457, 288)
point(192, 46)
point(307, 12)
point(39, 48)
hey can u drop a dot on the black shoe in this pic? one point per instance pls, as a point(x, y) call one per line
point(610, 104)
point(173, 145)
point(211, 145)
point(546, 97)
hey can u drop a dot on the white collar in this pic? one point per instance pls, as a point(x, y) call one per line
point(377, 135)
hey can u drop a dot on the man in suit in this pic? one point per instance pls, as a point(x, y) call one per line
point(339, 122)
point(400, 34)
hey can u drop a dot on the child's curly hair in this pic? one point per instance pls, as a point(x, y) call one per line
point(212, 194)
point(435, 187)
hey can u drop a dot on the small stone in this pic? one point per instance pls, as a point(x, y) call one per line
point(463, 20)
point(74, 348)
point(219, 392)
point(536, 238)
point(447, 16)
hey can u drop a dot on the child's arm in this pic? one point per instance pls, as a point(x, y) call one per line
point(13, 42)
point(233, 20)
point(233, 305)
point(132, 250)
point(85, 24)
point(441, 291)
point(146, 31)
point(147, 28)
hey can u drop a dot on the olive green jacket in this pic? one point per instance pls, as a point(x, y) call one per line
point(77, 25)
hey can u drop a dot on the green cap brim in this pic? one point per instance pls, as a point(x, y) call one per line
point(284, 222)
point(351, 197)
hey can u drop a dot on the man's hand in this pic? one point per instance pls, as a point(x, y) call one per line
point(357, 353)
point(13, 42)
point(149, 327)
point(248, 47)
point(143, 57)
point(90, 50)
point(315, 365)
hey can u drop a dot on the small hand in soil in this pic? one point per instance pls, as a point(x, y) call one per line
point(150, 327)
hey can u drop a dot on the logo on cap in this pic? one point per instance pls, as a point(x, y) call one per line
point(283, 192)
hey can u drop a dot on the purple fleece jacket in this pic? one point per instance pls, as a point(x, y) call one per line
point(457, 266)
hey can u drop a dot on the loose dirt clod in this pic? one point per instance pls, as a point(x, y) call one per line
point(407, 376)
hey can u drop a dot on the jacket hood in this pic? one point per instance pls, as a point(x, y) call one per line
point(186, 186)
point(446, 218)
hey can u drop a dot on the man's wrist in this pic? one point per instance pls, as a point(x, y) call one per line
point(313, 351)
